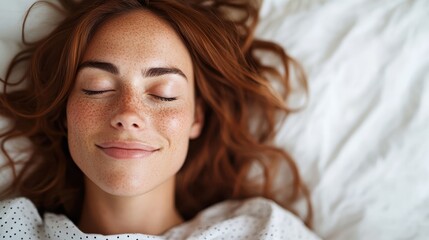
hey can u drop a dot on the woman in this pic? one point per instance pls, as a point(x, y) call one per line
point(139, 113)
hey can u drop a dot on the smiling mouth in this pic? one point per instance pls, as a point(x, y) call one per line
point(121, 150)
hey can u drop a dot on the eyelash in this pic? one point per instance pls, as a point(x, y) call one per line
point(164, 99)
point(90, 92)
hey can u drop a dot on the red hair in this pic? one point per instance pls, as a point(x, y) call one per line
point(242, 108)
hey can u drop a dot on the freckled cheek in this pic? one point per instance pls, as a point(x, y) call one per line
point(80, 113)
point(82, 119)
point(174, 123)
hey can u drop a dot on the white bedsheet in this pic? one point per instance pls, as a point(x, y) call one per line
point(362, 142)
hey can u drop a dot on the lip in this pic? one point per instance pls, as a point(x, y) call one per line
point(127, 150)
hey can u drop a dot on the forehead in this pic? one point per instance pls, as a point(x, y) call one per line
point(137, 22)
point(141, 37)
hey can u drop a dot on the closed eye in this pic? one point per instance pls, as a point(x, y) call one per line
point(164, 99)
point(91, 92)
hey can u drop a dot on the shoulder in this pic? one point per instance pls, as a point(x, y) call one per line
point(254, 218)
point(17, 207)
point(19, 216)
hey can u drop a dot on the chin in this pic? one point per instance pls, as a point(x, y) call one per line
point(130, 186)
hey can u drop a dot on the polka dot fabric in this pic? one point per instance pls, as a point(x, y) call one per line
point(255, 218)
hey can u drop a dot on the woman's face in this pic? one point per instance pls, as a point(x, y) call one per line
point(132, 110)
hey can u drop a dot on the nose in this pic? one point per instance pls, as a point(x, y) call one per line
point(127, 122)
point(128, 118)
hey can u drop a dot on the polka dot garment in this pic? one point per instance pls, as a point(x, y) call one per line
point(255, 218)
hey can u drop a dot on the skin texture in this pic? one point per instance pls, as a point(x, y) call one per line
point(127, 191)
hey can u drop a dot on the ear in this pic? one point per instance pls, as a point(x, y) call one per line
point(198, 123)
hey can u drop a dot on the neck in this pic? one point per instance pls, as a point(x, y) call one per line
point(152, 213)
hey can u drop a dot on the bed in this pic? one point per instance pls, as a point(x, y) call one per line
point(362, 142)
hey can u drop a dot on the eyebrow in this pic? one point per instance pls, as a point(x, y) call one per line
point(150, 72)
point(158, 71)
